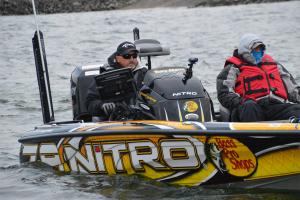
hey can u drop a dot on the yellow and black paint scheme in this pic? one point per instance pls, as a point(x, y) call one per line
point(182, 153)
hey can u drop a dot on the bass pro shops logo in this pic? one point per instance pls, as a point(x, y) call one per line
point(232, 156)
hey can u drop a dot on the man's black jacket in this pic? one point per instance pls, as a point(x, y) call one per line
point(94, 102)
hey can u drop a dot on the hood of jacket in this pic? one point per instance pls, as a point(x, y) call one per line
point(247, 43)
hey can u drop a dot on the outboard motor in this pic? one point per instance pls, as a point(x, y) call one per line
point(173, 94)
point(81, 78)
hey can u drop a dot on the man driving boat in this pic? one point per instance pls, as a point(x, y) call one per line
point(254, 87)
point(126, 56)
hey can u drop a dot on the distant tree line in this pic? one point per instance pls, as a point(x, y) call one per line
point(23, 7)
point(231, 2)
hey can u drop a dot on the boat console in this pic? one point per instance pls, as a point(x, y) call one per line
point(116, 85)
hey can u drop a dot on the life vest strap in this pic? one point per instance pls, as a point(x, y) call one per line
point(253, 78)
point(261, 90)
point(268, 63)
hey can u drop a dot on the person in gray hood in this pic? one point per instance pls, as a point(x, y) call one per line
point(126, 56)
point(254, 87)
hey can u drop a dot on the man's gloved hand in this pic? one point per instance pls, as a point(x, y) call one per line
point(108, 107)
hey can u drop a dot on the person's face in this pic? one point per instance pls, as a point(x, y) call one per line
point(128, 61)
point(257, 49)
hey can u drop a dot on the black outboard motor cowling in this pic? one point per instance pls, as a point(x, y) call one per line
point(81, 79)
point(172, 99)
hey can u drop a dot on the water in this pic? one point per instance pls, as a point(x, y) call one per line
point(87, 38)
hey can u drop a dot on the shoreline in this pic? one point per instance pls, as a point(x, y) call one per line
point(141, 4)
point(24, 7)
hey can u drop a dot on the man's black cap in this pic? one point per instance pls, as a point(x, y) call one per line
point(125, 48)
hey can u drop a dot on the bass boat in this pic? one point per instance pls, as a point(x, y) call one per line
point(169, 132)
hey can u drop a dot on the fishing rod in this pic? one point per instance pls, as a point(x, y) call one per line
point(42, 72)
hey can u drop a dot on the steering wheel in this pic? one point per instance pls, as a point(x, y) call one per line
point(129, 112)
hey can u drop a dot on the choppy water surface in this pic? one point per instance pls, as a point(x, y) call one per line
point(87, 38)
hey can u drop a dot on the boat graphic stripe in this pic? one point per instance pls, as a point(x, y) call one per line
point(297, 144)
point(179, 112)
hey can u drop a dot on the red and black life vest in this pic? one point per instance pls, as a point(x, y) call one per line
point(256, 81)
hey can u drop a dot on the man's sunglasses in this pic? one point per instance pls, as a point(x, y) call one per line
point(128, 56)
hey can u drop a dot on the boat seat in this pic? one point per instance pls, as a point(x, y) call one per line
point(224, 114)
point(151, 47)
point(81, 79)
